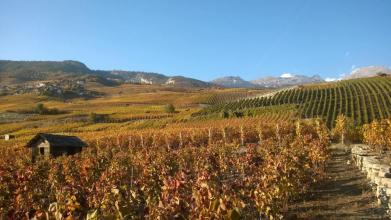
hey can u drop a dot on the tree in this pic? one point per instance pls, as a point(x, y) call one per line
point(344, 128)
point(98, 118)
point(169, 108)
point(41, 109)
point(237, 114)
point(224, 114)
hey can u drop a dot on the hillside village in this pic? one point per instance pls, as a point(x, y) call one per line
point(63, 89)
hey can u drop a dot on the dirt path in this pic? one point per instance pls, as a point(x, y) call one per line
point(344, 194)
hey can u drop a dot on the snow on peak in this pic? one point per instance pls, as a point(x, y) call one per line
point(331, 79)
point(368, 71)
point(286, 75)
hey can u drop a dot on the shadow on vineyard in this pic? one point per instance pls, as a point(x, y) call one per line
point(345, 193)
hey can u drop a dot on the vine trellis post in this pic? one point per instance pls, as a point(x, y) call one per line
point(224, 136)
point(180, 139)
point(241, 135)
point(142, 140)
point(209, 136)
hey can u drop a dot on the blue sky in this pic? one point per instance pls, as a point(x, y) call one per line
point(203, 39)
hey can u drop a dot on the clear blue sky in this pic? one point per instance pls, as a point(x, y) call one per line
point(203, 39)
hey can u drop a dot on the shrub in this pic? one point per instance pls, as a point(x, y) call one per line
point(98, 118)
point(169, 108)
point(224, 114)
point(378, 134)
point(41, 109)
point(54, 111)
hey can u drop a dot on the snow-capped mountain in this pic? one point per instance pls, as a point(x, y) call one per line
point(367, 71)
point(233, 82)
point(287, 79)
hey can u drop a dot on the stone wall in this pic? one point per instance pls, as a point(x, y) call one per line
point(378, 173)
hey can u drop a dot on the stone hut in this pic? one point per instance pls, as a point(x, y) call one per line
point(46, 145)
point(8, 137)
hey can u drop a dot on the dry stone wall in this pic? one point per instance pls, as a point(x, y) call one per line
point(378, 173)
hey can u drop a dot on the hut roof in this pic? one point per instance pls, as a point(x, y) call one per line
point(57, 140)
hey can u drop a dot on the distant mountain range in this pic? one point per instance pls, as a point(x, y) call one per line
point(287, 79)
point(368, 71)
point(233, 82)
point(19, 72)
point(284, 80)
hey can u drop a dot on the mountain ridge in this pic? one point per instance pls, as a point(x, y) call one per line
point(287, 79)
point(284, 80)
point(19, 72)
point(233, 82)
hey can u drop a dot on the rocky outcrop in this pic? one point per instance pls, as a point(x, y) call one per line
point(378, 173)
point(233, 82)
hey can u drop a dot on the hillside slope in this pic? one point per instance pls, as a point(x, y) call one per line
point(26, 71)
point(20, 72)
point(363, 100)
point(68, 66)
point(156, 79)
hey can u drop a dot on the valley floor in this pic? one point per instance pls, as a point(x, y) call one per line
point(344, 194)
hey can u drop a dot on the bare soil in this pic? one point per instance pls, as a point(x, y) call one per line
point(345, 193)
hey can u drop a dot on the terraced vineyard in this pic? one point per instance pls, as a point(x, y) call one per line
point(361, 99)
point(231, 96)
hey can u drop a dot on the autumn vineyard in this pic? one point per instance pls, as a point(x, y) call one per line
point(361, 99)
point(212, 154)
point(195, 110)
point(176, 173)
